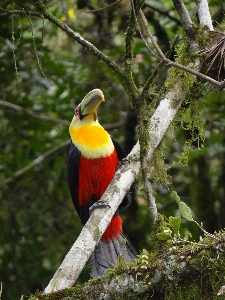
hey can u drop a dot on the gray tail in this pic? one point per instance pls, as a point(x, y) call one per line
point(107, 254)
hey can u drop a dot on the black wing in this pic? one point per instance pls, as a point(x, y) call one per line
point(73, 171)
point(119, 150)
point(127, 199)
point(73, 181)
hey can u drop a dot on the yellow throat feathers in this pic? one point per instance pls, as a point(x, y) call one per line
point(92, 141)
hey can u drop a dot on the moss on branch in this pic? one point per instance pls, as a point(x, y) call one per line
point(170, 271)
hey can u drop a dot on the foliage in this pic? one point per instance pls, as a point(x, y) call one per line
point(44, 71)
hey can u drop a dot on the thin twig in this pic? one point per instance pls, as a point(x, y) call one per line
point(36, 162)
point(26, 111)
point(105, 7)
point(13, 43)
point(180, 240)
point(139, 29)
point(149, 81)
point(163, 12)
point(205, 232)
point(115, 125)
point(7, 12)
point(34, 45)
point(42, 34)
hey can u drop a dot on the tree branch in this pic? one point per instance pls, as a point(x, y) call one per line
point(187, 23)
point(204, 14)
point(183, 14)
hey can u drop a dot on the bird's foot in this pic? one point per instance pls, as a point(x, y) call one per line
point(122, 162)
point(97, 204)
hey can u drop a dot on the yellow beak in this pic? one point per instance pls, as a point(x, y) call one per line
point(91, 102)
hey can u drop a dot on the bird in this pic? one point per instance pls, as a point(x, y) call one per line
point(94, 157)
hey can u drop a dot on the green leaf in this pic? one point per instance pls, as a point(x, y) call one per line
point(164, 235)
point(175, 223)
point(185, 211)
point(175, 197)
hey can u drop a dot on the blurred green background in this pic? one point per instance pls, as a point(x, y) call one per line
point(45, 72)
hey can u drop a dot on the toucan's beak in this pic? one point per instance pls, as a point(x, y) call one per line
point(91, 102)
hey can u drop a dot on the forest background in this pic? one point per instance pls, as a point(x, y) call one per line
point(44, 75)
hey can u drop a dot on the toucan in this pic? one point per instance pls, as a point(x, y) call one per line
point(94, 157)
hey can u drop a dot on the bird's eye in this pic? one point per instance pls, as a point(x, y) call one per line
point(76, 111)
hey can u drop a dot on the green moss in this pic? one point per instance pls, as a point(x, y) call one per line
point(160, 175)
point(65, 294)
point(189, 292)
point(191, 119)
point(187, 58)
point(205, 37)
